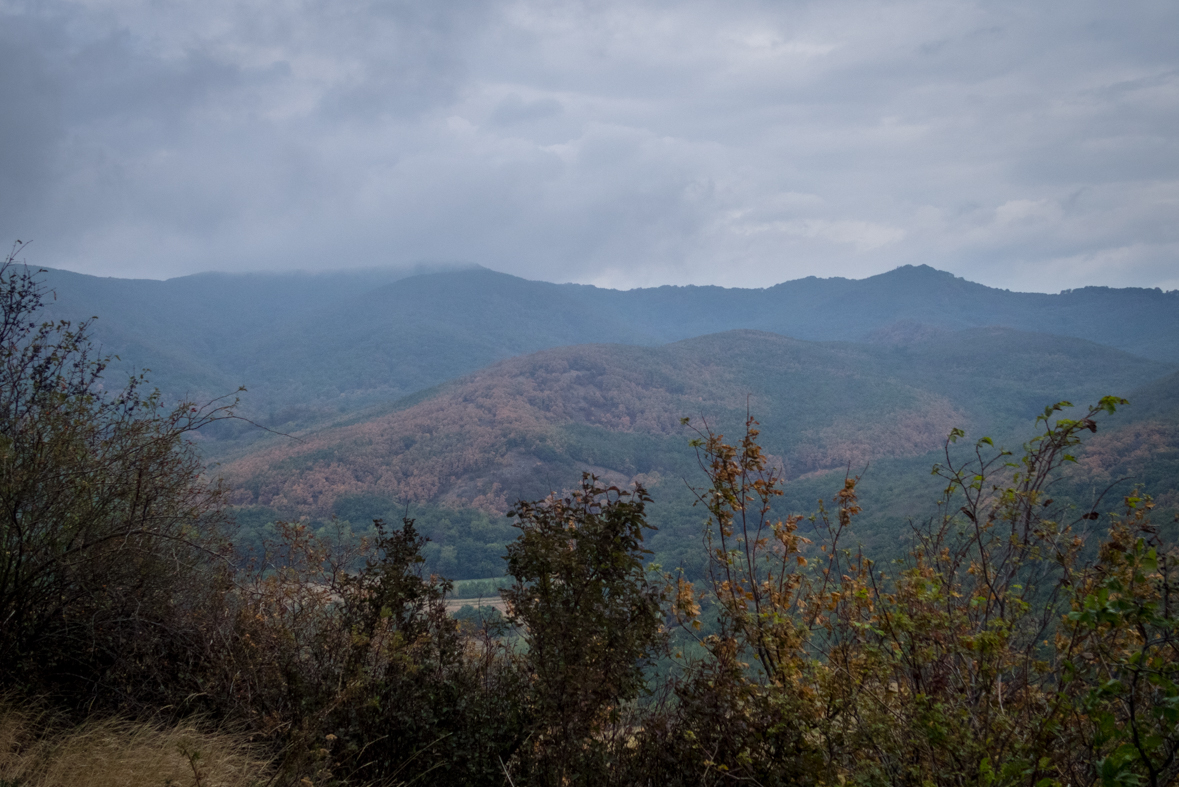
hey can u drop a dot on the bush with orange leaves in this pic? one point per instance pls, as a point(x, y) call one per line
point(997, 652)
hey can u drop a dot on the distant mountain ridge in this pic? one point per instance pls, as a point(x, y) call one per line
point(312, 346)
point(1141, 321)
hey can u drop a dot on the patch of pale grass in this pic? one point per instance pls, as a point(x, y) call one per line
point(117, 753)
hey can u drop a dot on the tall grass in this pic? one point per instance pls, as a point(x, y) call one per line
point(36, 751)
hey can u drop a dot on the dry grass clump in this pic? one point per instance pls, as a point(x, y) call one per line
point(36, 752)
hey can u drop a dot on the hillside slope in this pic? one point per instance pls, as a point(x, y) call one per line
point(1142, 448)
point(525, 426)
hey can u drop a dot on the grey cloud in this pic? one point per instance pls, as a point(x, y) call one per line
point(622, 143)
point(513, 109)
point(31, 123)
point(406, 57)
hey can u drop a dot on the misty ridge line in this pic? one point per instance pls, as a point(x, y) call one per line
point(251, 308)
point(321, 349)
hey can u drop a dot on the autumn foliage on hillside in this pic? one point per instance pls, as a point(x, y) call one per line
point(472, 442)
point(1147, 451)
point(527, 425)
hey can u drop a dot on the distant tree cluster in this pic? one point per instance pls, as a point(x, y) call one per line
point(1011, 646)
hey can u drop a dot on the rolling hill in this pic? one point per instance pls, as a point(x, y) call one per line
point(529, 425)
point(458, 391)
point(312, 346)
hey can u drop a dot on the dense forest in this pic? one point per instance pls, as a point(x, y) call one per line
point(464, 452)
point(1008, 619)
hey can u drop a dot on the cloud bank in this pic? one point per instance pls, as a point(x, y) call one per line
point(742, 143)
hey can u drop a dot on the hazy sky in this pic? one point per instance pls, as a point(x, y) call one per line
point(1027, 145)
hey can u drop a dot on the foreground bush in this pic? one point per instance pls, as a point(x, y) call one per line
point(109, 534)
point(591, 619)
point(345, 657)
point(1005, 649)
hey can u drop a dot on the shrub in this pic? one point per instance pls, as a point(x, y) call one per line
point(106, 523)
point(344, 656)
point(591, 619)
point(995, 653)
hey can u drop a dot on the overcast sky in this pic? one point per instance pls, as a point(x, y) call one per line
point(1027, 145)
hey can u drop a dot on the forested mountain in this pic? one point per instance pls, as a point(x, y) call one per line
point(198, 334)
point(310, 346)
point(1140, 321)
point(529, 425)
point(459, 391)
